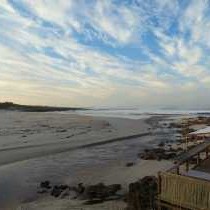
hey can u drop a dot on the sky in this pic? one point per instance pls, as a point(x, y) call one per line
point(145, 53)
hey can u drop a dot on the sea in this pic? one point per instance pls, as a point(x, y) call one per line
point(137, 113)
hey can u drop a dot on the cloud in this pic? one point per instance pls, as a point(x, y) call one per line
point(91, 52)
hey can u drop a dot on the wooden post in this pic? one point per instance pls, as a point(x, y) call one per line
point(159, 183)
point(207, 153)
point(198, 159)
point(187, 165)
point(159, 191)
point(177, 170)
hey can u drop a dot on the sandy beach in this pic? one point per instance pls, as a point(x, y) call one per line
point(71, 148)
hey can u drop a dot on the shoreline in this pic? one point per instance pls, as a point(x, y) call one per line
point(53, 151)
point(89, 160)
point(86, 132)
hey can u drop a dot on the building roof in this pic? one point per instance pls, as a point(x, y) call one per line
point(201, 131)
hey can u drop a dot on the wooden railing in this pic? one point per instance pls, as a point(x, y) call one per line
point(186, 157)
point(184, 191)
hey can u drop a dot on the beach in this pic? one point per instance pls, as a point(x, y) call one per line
point(71, 148)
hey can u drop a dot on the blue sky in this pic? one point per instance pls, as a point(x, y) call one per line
point(147, 53)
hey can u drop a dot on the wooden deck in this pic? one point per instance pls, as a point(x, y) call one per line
point(187, 156)
point(189, 189)
point(193, 152)
point(204, 166)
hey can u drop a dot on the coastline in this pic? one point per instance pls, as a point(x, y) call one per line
point(101, 162)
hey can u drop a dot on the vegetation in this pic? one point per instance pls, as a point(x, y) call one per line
point(29, 108)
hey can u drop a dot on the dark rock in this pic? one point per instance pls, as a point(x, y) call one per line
point(69, 136)
point(129, 164)
point(149, 156)
point(158, 150)
point(142, 194)
point(157, 154)
point(61, 130)
point(146, 150)
point(161, 144)
point(113, 188)
point(93, 192)
point(65, 193)
point(45, 184)
point(56, 191)
point(101, 191)
point(172, 150)
point(96, 192)
point(63, 187)
point(80, 188)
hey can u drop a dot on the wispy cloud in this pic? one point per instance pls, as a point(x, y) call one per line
point(93, 52)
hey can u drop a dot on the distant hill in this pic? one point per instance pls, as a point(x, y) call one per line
point(29, 108)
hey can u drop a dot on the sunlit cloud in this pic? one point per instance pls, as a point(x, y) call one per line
point(86, 53)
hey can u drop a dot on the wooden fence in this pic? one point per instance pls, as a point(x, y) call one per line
point(183, 191)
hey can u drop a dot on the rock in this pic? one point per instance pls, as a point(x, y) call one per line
point(45, 184)
point(171, 149)
point(63, 187)
point(157, 154)
point(158, 150)
point(56, 191)
point(170, 155)
point(161, 144)
point(96, 191)
point(129, 164)
point(65, 193)
point(69, 136)
point(149, 181)
point(112, 189)
point(61, 130)
point(150, 156)
point(80, 188)
point(101, 191)
point(142, 194)
point(92, 192)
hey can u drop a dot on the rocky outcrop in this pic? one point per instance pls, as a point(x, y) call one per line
point(101, 191)
point(158, 154)
point(91, 194)
point(141, 195)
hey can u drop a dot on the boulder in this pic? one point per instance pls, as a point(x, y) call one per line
point(56, 191)
point(129, 164)
point(45, 184)
point(101, 191)
point(157, 154)
point(142, 194)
